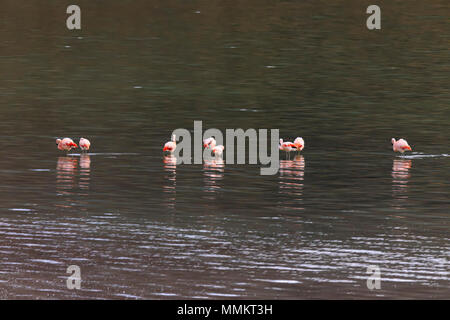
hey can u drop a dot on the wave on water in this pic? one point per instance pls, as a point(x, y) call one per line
point(103, 154)
point(420, 155)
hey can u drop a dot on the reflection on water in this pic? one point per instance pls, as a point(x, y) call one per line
point(65, 174)
point(170, 183)
point(400, 177)
point(85, 171)
point(66, 180)
point(296, 66)
point(291, 180)
point(213, 172)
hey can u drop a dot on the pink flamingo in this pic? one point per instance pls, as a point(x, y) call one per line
point(84, 144)
point(171, 145)
point(400, 145)
point(218, 150)
point(299, 143)
point(66, 144)
point(209, 143)
point(286, 146)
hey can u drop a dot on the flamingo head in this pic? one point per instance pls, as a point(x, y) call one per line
point(393, 140)
point(58, 141)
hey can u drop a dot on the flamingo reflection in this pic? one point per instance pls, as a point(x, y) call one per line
point(65, 174)
point(292, 181)
point(213, 170)
point(66, 180)
point(85, 171)
point(169, 188)
point(400, 176)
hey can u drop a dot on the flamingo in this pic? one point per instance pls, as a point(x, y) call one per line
point(286, 146)
point(400, 145)
point(171, 145)
point(218, 150)
point(84, 144)
point(209, 143)
point(299, 143)
point(66, 144)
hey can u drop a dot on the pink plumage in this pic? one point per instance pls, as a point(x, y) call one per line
point(66, 144)
point(286, 146)
point(218, 150)
point(84, 144)
point(171, 145)
point(400, 145)
point(299, 143)
point(209, 143)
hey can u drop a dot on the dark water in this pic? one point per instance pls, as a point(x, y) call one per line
point(140, 226)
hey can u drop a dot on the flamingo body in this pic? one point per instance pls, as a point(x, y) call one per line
point(400, 145)
point(84, 144)
point(218, 150)
point(171, 145)
point(209, 143)
point(66, 144)
point(286, 146)
point(299, 143)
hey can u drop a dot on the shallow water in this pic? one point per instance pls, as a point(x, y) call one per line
point(140, 226)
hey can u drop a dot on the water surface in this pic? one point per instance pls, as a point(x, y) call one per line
point(142, 227)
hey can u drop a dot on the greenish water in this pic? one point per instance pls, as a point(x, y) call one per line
point(140, 226)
